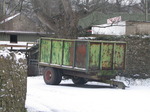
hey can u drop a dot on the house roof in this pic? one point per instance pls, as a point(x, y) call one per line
point(121, 23)
point(9, 18)
point(25, 32)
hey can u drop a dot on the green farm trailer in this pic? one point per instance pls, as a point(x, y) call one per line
point(81, 60)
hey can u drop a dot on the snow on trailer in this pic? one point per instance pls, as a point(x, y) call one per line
point(81, 60)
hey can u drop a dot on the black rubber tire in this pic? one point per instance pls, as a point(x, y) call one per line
point(52, 76)
point(79, 80)
point(59, 76)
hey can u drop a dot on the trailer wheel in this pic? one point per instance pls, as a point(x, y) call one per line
point(52, 76)
point(79, 80)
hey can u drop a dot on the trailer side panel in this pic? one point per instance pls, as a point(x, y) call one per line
point(101, 57)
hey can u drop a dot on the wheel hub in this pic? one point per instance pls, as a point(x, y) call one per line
point(48, 75)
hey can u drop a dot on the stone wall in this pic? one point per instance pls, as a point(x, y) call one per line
point(13, 81)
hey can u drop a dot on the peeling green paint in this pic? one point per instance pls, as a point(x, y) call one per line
point(103, 57)
point(45, 51)
point(119, 56)
point(94, 55)
point(107, 56)
point(57, 52)
point(68, 53)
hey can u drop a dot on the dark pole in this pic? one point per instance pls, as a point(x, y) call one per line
point(146, 10)
point(4, 8)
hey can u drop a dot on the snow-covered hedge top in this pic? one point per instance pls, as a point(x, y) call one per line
point(16, 55)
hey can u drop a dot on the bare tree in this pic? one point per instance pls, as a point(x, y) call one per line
point(142, 6)
point(62, 16)
point(9, 7)
point(123, 5)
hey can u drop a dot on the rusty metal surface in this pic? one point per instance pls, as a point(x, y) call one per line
point(94, 56)
point(80, 54)
point(107, 56)
point(88, 56)
point(119, 62)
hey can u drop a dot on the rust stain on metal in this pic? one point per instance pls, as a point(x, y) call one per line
point(120, 56)
point(94, 56)
point(71, 50)
point(107, 56)
point(81, 54)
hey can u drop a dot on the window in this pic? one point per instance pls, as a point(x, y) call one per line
point(13, 38)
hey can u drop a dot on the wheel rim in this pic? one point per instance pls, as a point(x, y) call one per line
point(48, 75)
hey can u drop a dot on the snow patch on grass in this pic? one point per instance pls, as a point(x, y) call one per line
point(134, 82)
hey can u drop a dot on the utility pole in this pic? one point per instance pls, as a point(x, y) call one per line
point(146, 10)
point(4, 8)
point(4, 12)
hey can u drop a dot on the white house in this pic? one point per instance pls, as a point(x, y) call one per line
point(18, 30)
point(17, 40)
point(122, 28)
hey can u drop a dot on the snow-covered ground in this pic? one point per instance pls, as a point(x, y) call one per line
point(93, 97)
